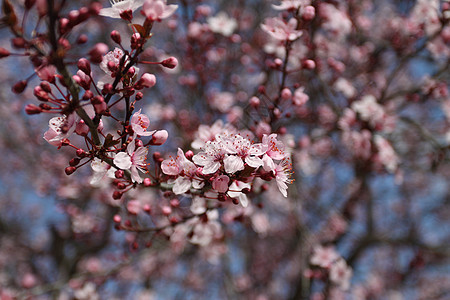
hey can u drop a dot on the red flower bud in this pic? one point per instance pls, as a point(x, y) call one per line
point(19, 87)
point(84, 65)
point(70, 170)
point(170, 63)
point(115, 36)
point(4, 53)
point(32, 109)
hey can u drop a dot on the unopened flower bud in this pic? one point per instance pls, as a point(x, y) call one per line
point(111, 66)
point(97, 100)
point(166, 210)
point(4, 53)
point(46, 86)
point(97, 52)
point(159, 137)
point(19, 42)
point(139, 96)
point(19, 87)
point(107, 89)
point(82, 39)
point(117, 219)
point(32, 109)
point(147, 183)
point(88, 95)
point(309, 12)
point(81, 153)
point(70, 170)
point(81, 128)
point(117, 195)
point(136, 41)
point(254, 101)
point(115, 36)
point(127, 15)
point(119, 174)
point(309, 64)
point(157, 156)
point(40, 94)
point(286, 94)
point(170, 63)
point(64, 25)
point(147, 80)
point(95, 8)
point(29, 4)
point(189, 154)
point(74, 161)
point(84, 65)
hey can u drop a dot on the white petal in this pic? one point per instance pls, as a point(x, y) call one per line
point(211, 167)
point(123, 160)
point(182, 185)
point(253, 161)
point(233, 164)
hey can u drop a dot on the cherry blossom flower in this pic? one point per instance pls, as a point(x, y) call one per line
point(222, 101)
point(369, 110)
point(101, 169)
point(120, 6)
point(340, 274)
point(156, 10)
point(208, 133)
point(283, 175)
point(220, 183)
point(60, 128)
point(235, 191)
point(291, 4)
point(386, 154)
point(205, 232)
point(132, 160)
point(211, 157)
point(244, 150)
point(323, 256)
point(280, 30)
point(273, 149)
point(181, 165)
point(113, 58)
point(222, 24)
point(139, 123)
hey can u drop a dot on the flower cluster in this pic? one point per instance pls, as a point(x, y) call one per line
point(227, 166)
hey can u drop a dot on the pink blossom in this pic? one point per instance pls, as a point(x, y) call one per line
point(139, 123)
point(300, 97)
point(283, 175)
point(273, 149)
point(241, 149)
point(132, 160)
point(323, 256)
point(220, 183)
point(101, 169)
point(181, 165)
point(291, 4)
point(222, 24)
point(369, 110)
point(208, 133)
point(235, 191)
point(120, 6)
point(211, 157)
point(60, 128)
point(280, 30)
point(386, 154)
point(222, 101)
point(156, 10)
point(340, 274)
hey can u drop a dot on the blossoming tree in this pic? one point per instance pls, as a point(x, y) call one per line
point(311, 141)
